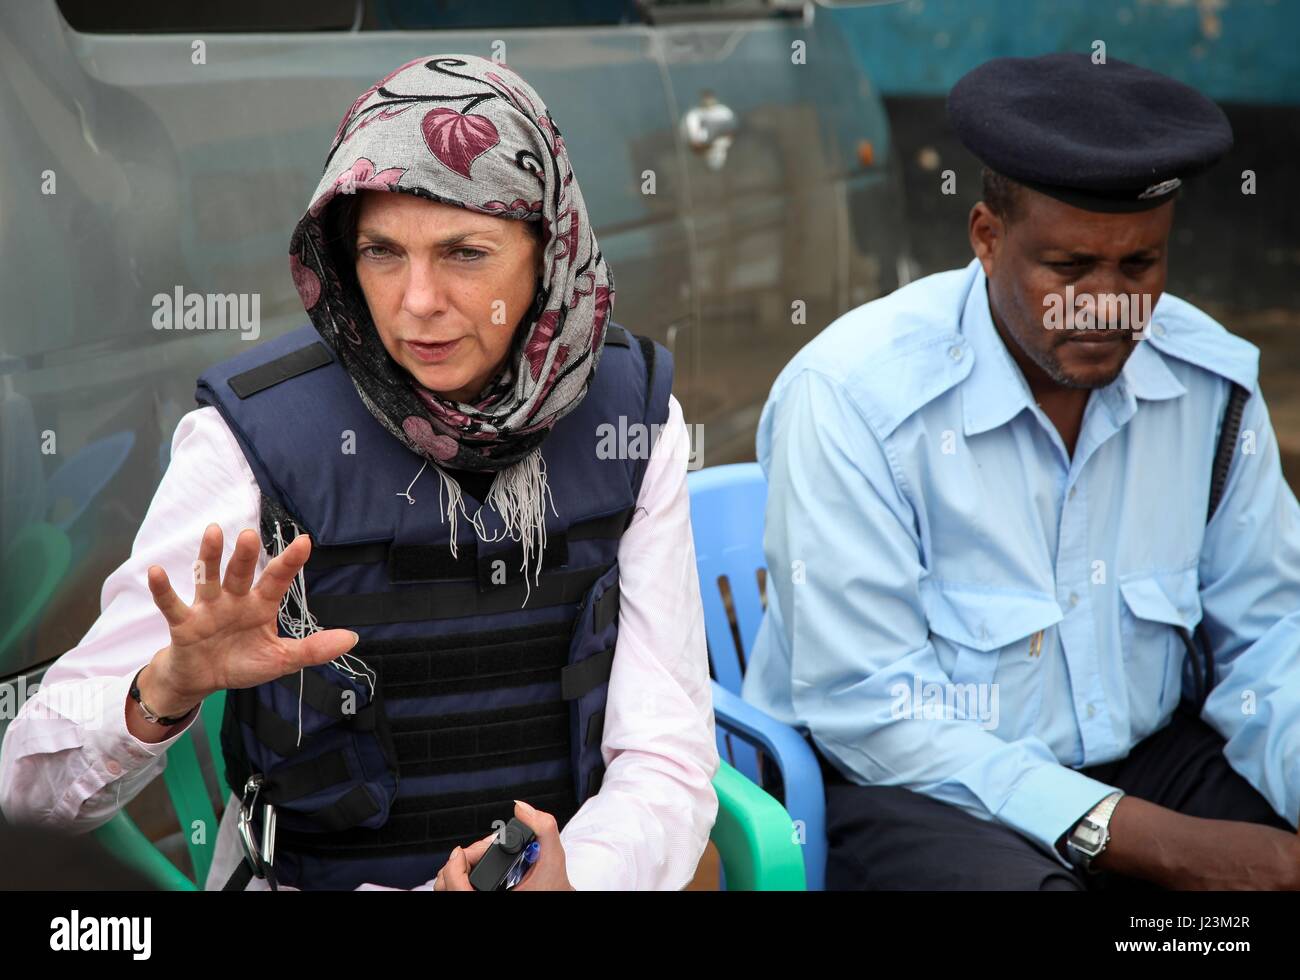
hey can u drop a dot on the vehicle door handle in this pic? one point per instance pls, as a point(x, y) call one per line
point(709, 129)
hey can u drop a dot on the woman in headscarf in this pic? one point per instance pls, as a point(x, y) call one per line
point(478, 597)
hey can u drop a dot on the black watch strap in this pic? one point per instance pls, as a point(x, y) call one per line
point(149, 714)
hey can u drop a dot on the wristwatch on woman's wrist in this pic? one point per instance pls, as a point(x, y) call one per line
point(1091, 834)
point(149, 715)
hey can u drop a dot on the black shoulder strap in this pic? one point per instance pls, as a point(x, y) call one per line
point(1227, 447)
point(616, 336)
point(283, 368)
point(1223, 456)
point(648, 352)
point(648, 355)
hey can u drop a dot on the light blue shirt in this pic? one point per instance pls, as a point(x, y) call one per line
point(958, 606)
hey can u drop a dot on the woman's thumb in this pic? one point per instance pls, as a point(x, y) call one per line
point(326, 645)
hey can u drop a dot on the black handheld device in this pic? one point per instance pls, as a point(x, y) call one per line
point(502, 855)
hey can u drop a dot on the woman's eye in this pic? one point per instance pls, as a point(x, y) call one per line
point(374, 251)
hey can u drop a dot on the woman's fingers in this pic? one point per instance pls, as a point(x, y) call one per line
point(283, 569)
point(476, 850)
point(165, 597)
point(207, 571)
point(549, 871)
point(239, 572)
point(455, 873)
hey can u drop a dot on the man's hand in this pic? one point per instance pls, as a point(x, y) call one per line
point(548, 872)
point(1191, 854)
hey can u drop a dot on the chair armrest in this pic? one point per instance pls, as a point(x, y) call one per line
point(805, 795)
point(126, 842)
point(754, 837)
point(189, 796)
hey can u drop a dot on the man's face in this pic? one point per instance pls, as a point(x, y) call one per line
point(1118, 259)
point(436, 274)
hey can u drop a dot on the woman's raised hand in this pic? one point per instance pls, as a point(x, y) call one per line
point(227, 639)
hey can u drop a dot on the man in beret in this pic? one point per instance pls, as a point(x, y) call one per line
point(1033, 639)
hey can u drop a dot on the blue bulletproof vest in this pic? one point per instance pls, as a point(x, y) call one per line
point(469, 697)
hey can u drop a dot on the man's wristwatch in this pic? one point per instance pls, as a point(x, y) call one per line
point(1091, 834)
point(150, 715)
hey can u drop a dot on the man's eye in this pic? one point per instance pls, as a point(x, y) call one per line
point(1064, 265)
point(469, 254)
point(374, 251)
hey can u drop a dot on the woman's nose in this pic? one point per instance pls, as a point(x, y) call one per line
point(425, 294)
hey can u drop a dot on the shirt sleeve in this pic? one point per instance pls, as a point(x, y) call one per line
point(1250, 596)
point(68, 759)
point(844, 558)
point(650, 822)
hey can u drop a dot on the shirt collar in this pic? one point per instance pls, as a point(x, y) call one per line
point(1148, 375)
point(995, 392)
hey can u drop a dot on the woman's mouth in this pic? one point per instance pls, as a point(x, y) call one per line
point(432, 353)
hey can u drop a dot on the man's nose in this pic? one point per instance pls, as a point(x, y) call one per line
point(1111, 292)
point(1105, 278)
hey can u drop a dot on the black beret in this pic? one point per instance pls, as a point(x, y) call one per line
point(1104, 137)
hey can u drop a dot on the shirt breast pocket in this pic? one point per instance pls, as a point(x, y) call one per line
point(992, 641)
point(1155, 607)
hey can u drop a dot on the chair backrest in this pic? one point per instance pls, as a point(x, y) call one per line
point(728, 506)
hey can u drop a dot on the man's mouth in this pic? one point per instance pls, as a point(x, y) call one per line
point(1100, 336)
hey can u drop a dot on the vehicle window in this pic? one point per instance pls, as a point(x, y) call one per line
point(257, 16)
point(680, 11)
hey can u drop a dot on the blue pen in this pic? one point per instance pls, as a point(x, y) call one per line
point(527, 861)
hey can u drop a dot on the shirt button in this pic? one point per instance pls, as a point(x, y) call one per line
point(1073, 491)
point(954, 352)
point(1158, 330)
point(1074, 599)
point(113, 767)
point(1092, 710)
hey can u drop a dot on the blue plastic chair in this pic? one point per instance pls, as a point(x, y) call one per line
point(727, 513)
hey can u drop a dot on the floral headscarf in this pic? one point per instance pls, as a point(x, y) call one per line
point(467, 131)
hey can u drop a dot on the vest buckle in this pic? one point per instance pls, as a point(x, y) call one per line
point(261, 859)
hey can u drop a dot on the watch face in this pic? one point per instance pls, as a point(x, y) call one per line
point(1088, 835)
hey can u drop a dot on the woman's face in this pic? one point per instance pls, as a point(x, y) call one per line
point(446, 287)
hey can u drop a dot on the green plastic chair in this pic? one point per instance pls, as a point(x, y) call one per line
point(752, 832)
point(189, 795)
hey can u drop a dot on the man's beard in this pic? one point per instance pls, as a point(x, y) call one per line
point(1051, 364)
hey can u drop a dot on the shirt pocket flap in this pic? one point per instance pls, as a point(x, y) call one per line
point(1168, 597)
point(986, 620)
